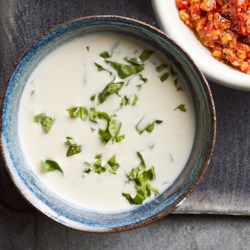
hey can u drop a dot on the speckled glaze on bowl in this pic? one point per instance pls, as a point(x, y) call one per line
point(66, 213)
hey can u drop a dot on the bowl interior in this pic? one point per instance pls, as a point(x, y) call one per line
point(168, 17)
point(62, 211)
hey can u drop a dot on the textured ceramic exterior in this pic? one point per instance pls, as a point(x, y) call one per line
point(60, 210)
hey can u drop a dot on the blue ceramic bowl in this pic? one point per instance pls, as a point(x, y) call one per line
point(66, 213)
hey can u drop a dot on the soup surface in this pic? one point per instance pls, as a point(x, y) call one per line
point(105, 123)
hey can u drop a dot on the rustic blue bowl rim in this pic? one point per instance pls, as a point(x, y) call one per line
point(120, 225)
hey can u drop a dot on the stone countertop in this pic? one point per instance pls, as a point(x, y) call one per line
point(28, 231)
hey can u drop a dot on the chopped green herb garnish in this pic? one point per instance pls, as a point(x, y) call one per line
point(101, 68)
point(119, 138)
point(98, 166)
point(161, 67)
point(142, 177)
point(181, 107)
point(178, 87)
point(145, 55)
point(132, 60)
point(49, 166)
point(32, 93)
point(105, 54)
point(144, 79)
point(111, 88)
point(135, 100)
point(114, 127)
point(94, 115)
point(125, 70)
point(73, 147)
point(164, 77)
point(92, 98)
point(78, 112)
point(114, 165)
point(46, 121)
point(139, 86)
point(124, 101)
point(87, 47)
point(111, 132)
point(149, 127)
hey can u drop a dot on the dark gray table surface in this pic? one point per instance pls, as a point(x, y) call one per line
point(226, 186)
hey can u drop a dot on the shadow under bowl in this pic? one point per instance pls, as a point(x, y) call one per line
point(66, 213)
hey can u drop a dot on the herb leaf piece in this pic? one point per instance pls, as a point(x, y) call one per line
point(114, 128)
point(99, 167)
point(177, 86)
point(132, 60)
point(94, 115)
point(181, 107)
point(114, 165)
point(164, 77)
point(79, 112)
point(142, 177)
point(144, 79)
point(135, 100)
point(45, 121)
point(50, 166)
point(148, 128)
point(111, 88)
point(105, 54)
point(124, 101)
point(145, 55)
point(101, 68)
point(125, 70)
point(73, 147)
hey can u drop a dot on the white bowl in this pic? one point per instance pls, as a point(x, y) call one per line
point(169, 20)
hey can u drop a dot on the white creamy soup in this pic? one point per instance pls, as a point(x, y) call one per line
point(148, 121)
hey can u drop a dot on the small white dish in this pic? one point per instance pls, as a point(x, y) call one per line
point(168, 17)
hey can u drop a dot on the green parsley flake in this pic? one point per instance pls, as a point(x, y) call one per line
point(181, 107)
point(125, 70)
point(101, 68)
point(92, 98)
point(73, 147)
point(78, 112)
point(135, 100)
point(177, 86)
point(111, 132)
point(145, 55)
point(164, 77)
point(50, 166)
point(111, 88)
point(94, 115)
point(148, 128)
point(99, 166)
point(133, 61)
point(144, 79)
point(45, 121)
point(87, 47)
point(105, 54)
point(142, 177)
point(124, 101)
